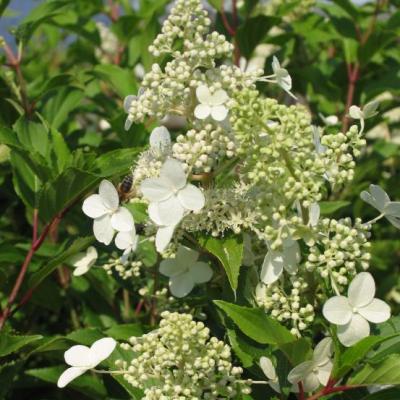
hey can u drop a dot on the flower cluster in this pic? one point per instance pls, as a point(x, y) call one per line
point(126, 269)
point(181, 361)
point(288, 303)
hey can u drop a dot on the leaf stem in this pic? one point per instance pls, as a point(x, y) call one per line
point(232, 29)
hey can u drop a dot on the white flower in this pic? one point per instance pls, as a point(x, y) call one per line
point(84, 261)
point(107, 214)
point(352, 313)
point(368, 111)
point(211, 104)
point(83, 358)
point(170, 195)
point(184, 271)
point(317, 371)
point(378, 198)
point(275, 262)
point(160, 140)
point(270, 372)
point(319, 148)
point(127, 241)
point(163, 237)
point(314, 213)
point(329, 120)
point(283, 79)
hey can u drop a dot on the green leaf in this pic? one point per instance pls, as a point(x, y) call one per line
point(353, 355)
point(330, 207)
point(297, 351)
point(85, 336)
point(253, 32)
point(125, 331)
point(122, 80)
point(11, 343)
point(254, 323)
point(77, 246)
point(58, 108)
point(61, 192)
point(88, 384)
point(348, 7)
point(217, 4)
point(386, 372)
point(387, 394)
point(229, 251)
point(3, 6)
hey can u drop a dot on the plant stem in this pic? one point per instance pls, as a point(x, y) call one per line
point(232, 29)
point(331, 389)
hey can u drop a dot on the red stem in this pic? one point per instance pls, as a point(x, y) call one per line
point(330, 389)
point(232, 30)
point(353, 76)
point(301, 391)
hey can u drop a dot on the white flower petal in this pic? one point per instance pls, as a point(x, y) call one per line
point(323, 351)
point(366, 196)
point(337, 310)
point(170, 211)
point(126, 240)
point(109, 194)
point(191, 198)
point(392, 209)
point(354, 331)
point(219, 113)
point(152, 210)
point(102, 349)
point(284, 79)
point(200, 272)
point(275, 385)
point(268, 368)
point(324, 372)
point(377, 311)
point(128, 123)
point(122, 220)
point(275, 65)
point(203, 94)
point(181, 285)
point(94, 207)
point(355, 112)
point(155, 189)
point(79, 356)
point(202, 111)
point(128, 101)
point(160, 138)
point(300, 372)
point(272, 267)
point(84, 259)
point(69, 375)
point(170, 267)
point(395, 221)
point(380, 196)
point(314, 214)
point(163, 237)
point(218, 98)
point(370, 109)
point(291, 257)
point(79, 271)
point(186, 256)
point(102, 229)
point(172, 172)
point(361, 290)
point(311, 382)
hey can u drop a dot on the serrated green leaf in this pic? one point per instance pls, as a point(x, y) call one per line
point(12, 343)
point(386, 372)
point(254, 323)
point(229, 251)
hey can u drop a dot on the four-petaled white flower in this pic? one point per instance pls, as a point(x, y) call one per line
point(368, 111)
point(316, 371)
point(270, 372)
point(126, 241)
point(83, 358)
point(170, 197)
point(277, 261)
point(84, 261)
point(353, 312)
point(107, 214)
point(379, 199)
point(184, 271)
point(160, 140)
point(211, 104)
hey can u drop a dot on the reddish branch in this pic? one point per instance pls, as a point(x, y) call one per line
point(232, 29)
point(330, 388)
point(14, 62)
